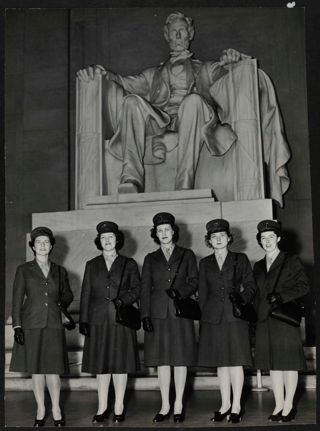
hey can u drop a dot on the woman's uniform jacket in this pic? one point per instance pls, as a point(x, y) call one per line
point(157, 275)
point(100, 286)
point(293, 282)
point(35, 297)
point(215, 285)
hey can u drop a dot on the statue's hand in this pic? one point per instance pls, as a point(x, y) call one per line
point(91, 72)
point(230, 56)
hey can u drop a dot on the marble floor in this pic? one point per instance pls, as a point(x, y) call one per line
point(141, 406)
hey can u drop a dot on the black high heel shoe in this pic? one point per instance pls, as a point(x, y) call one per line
point(59, 422)
point(39, 422)
point(159, 417)
point(290, 416)
point(178, 417)
point(236, 417)
point(100, 418)
point(118, 418)
point(219, 417)
point(276, 417)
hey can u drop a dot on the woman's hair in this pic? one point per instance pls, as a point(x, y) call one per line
point(51, 239)
point(175, 237)
point(258, 236)
point(208, 236)
point(119, 240)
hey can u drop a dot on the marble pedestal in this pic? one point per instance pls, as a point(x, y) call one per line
point(75, 230)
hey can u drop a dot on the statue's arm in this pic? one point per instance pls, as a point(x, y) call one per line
point(217, 69)
point(132, 84)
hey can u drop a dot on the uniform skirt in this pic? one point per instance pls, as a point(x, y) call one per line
point(224, 345)
point(172, 342)
point(278, 346)
point(44, 352)
point(110, 348)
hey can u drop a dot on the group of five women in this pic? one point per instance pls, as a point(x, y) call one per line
point(111, 281)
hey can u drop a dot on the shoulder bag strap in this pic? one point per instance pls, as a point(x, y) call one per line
point(122, 273)
point(59, 277)
point(178, 267)
point(279, 273)
point(235, 272)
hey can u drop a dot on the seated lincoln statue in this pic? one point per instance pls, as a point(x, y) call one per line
point(176, 97)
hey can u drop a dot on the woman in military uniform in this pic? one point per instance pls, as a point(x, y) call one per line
point(280, 278)
point(40, 344)
point(110, 349)
point(169, 340)
point(225, 279)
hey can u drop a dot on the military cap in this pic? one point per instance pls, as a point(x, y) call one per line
point(107, 226)
point(41, 231)
point(163, 218)
point(266, 225)
point(218, 225)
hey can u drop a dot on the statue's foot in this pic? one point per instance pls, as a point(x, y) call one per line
point(127, 188)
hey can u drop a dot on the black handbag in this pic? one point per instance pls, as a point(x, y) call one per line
point(66, 318)
point(289, 312)
point(187, 308)
point(127, 315)
point(242, 311)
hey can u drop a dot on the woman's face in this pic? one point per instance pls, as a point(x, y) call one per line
point(219, 240)
point(269, 241)
point(165, 234)
point(108, 241)
point(42, 245)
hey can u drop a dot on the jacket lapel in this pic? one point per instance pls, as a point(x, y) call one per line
point(159, 257)
point(53, 271)
point(274, 271)
point(36, 268)
point(192, 69)
point(176, 254)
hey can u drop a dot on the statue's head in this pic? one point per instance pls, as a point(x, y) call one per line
point(178, 31)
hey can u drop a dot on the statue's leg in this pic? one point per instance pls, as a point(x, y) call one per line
point(193, 114)
point(112, 100)
point(133, 123)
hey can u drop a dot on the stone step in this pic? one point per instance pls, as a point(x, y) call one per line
point(151, 383)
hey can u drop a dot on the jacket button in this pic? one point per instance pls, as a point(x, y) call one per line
point(169, 269)
point(169, 280)
point(46, 304)
point(46, 293)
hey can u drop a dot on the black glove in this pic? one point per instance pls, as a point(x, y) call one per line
point(235, 297)
point(62, 305)
point(236, 309)
point(84, 329)
point(147, 324)
point(117, 302)
point(274, 298)
point(173, 293)
point(19, 336)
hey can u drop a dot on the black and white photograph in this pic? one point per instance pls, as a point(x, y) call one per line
point(161, 227)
